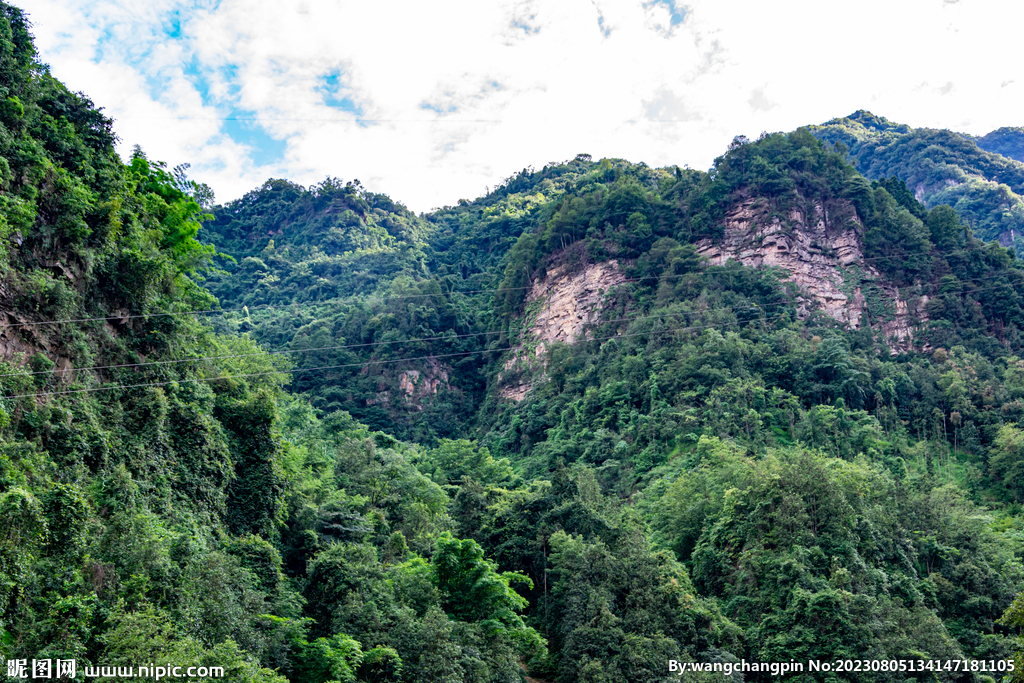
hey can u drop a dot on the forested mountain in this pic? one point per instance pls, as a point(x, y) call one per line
point(941, 167)
point(604, 417)
point(151, 513)
point(1006, 141)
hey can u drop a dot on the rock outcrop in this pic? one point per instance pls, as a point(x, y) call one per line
point(824, 259)
point(568, 301)
point(821, 254)
point(414, 386)
point(558, 309)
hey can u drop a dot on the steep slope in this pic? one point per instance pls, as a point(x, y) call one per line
point(119, 477)
point(696, 385)
point(163, 498)
point(370, 282)
point(825, 260)
point(803, 381)
point(651, 414)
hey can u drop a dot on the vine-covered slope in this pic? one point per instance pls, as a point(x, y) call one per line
point(603, 417)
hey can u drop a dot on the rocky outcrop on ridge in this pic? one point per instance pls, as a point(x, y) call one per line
point(822, 255)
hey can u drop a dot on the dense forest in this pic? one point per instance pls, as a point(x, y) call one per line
point(311, 436)
point(1006, 141)
point(978, 177)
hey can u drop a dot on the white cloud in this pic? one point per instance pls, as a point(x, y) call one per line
point(462, 93)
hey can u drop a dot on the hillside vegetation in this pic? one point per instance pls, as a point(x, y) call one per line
point(941, 167)
point(1006, 141)
point(276, 435)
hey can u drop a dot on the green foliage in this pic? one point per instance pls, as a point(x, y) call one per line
point(67, 516)
point(1014, 618)
point(625, 610)
point(454, 459)
point(715, 470)
point(381, 665)
point(297, 244)
point(471, 589)
point(806, 539)
point(176, 213)
point(150, 636)
point(1007, 460)
point(1007, 141)
point(255, 496)
point(941, 167)
point(23, 530)
point(330, 659)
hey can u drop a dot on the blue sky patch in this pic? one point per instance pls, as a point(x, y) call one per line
point(438, 108)
point(174, 29)
point(337, 95)
point(198, 78)
point(677, 13)
point(525, 26)
point(266, 150)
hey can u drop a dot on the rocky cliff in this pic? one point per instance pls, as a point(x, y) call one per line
point(558, 308)
point(415, 387)
point(822, 255)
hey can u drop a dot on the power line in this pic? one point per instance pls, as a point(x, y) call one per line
point(443, 337)
point(261, 307)
point(251, 309)
point(355, 119)
point(437, 338)
point(344, 365)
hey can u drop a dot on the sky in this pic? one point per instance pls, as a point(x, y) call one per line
point(433, 102)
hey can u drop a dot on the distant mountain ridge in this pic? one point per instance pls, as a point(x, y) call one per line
point(941, 167)
point(1006, 141)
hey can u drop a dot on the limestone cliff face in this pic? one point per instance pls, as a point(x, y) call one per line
point(414, 386)
point(822, 254)
point(564, 303)
point(558, 309)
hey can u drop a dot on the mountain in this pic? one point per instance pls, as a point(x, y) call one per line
point(605, 417)
point(164, 498)
point(940, 167)
point(621, 333)
point(1008, 142)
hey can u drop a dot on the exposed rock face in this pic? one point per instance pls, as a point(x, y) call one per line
point(20, 340)
point(21, 336)
point(515, 392)
point(558, 309)
point(569, 302)
point(414, 386)
point(823, 257)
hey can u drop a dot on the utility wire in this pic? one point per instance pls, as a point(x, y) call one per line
point(426, 339)
point(262, 307)
point(344, 365)
point(443, 337)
